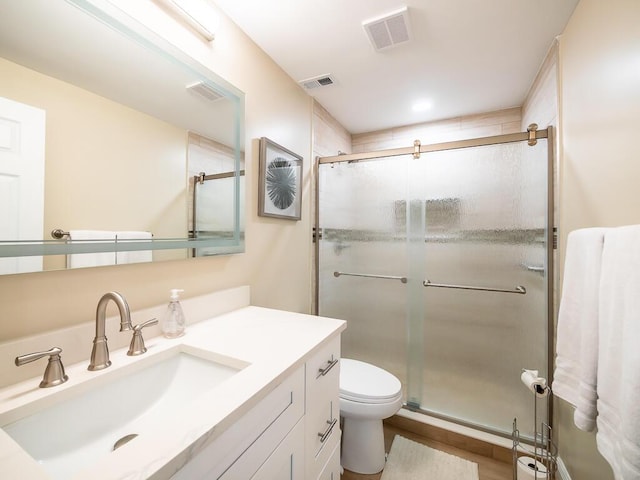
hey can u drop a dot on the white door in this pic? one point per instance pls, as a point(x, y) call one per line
point(22, 133)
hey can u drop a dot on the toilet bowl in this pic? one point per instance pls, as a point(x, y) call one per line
point(368, 394)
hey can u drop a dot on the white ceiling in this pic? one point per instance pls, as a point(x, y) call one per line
point(465, 57)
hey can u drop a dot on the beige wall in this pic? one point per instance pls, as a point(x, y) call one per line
point(329, 136)
point(278, 252)
point(541, 104)
point(601, 115)
point(599, 118)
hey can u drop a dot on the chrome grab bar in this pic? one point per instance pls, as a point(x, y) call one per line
point(386, 277)
point(427, 283)
point(518, 289)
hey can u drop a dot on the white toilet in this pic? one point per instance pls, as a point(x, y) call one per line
point(368, 394)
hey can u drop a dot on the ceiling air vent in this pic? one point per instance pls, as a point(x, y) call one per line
point(389, 30)
point(205, 91)
point(315, 82)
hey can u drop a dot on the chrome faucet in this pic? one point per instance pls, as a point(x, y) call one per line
point(54, 373)
point(100, 352)
point(137, 347)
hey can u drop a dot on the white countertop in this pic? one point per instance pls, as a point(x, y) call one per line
point(274, 343)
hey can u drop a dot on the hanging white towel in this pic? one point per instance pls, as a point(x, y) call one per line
point(575, 376)
point(92, 237)
point(618, 436)
point(133, 256)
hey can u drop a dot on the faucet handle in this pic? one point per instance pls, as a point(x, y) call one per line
point(54, 373)
point(137, 342)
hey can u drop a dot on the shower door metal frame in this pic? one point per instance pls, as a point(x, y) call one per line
point(436, 147)
point(199, 180)
point(531, 135)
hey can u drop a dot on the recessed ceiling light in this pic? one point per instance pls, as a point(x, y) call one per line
point(422, 105)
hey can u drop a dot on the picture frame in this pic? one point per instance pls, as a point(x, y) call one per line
point(280, 182)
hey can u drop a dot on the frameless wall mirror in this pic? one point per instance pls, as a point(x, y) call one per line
point(113, 141)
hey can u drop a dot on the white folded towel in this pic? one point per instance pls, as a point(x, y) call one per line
point(575, 376)
point(133, 256)
point(618, 436)
point(92, 237)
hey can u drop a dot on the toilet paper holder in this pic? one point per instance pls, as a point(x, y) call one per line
point(529, 468)
point(535, 460)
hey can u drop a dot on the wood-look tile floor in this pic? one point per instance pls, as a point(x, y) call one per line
point(488, 468)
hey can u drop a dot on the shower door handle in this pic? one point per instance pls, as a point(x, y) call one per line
point(369, 275)
point(517, 289)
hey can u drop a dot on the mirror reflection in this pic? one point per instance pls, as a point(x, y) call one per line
point(102, 138)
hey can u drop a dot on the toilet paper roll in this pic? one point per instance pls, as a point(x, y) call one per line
point(536, 384)
point(530, 469)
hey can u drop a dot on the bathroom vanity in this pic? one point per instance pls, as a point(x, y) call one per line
point(249, 394)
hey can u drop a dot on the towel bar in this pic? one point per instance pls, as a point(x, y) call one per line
point(59, 233)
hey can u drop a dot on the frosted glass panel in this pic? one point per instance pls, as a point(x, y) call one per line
point(213, 217)
point(486, 216)
point(362, 219)
point(469, 217)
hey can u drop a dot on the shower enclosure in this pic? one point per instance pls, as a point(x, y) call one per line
point(209, 214)
point(439, 257)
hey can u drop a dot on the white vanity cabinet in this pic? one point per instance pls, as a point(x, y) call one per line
point(291, 434)
point(322, 414)
point(276, 417)
point(240, 452)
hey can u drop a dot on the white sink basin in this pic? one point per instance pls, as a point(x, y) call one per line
point(68, 436)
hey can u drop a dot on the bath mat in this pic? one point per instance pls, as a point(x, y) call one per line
point(409, 460)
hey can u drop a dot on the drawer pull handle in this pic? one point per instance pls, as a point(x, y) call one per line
point(330, 364)
point(327, 432)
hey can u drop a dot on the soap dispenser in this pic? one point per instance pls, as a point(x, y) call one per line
point(173, 322)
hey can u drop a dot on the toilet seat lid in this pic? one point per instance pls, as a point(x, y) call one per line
point(363, 382)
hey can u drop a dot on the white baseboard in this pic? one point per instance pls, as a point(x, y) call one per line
point(562, 470)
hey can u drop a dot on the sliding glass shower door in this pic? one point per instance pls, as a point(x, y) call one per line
point(439, 265)
point(363, 233)
point(485, 229)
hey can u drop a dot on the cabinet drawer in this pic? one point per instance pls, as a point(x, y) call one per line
point(323, 422)
point(323, 371)
point(330, 448)
point(287, 461)
point(322, 414)
point(245, 446)
point(331, 469)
